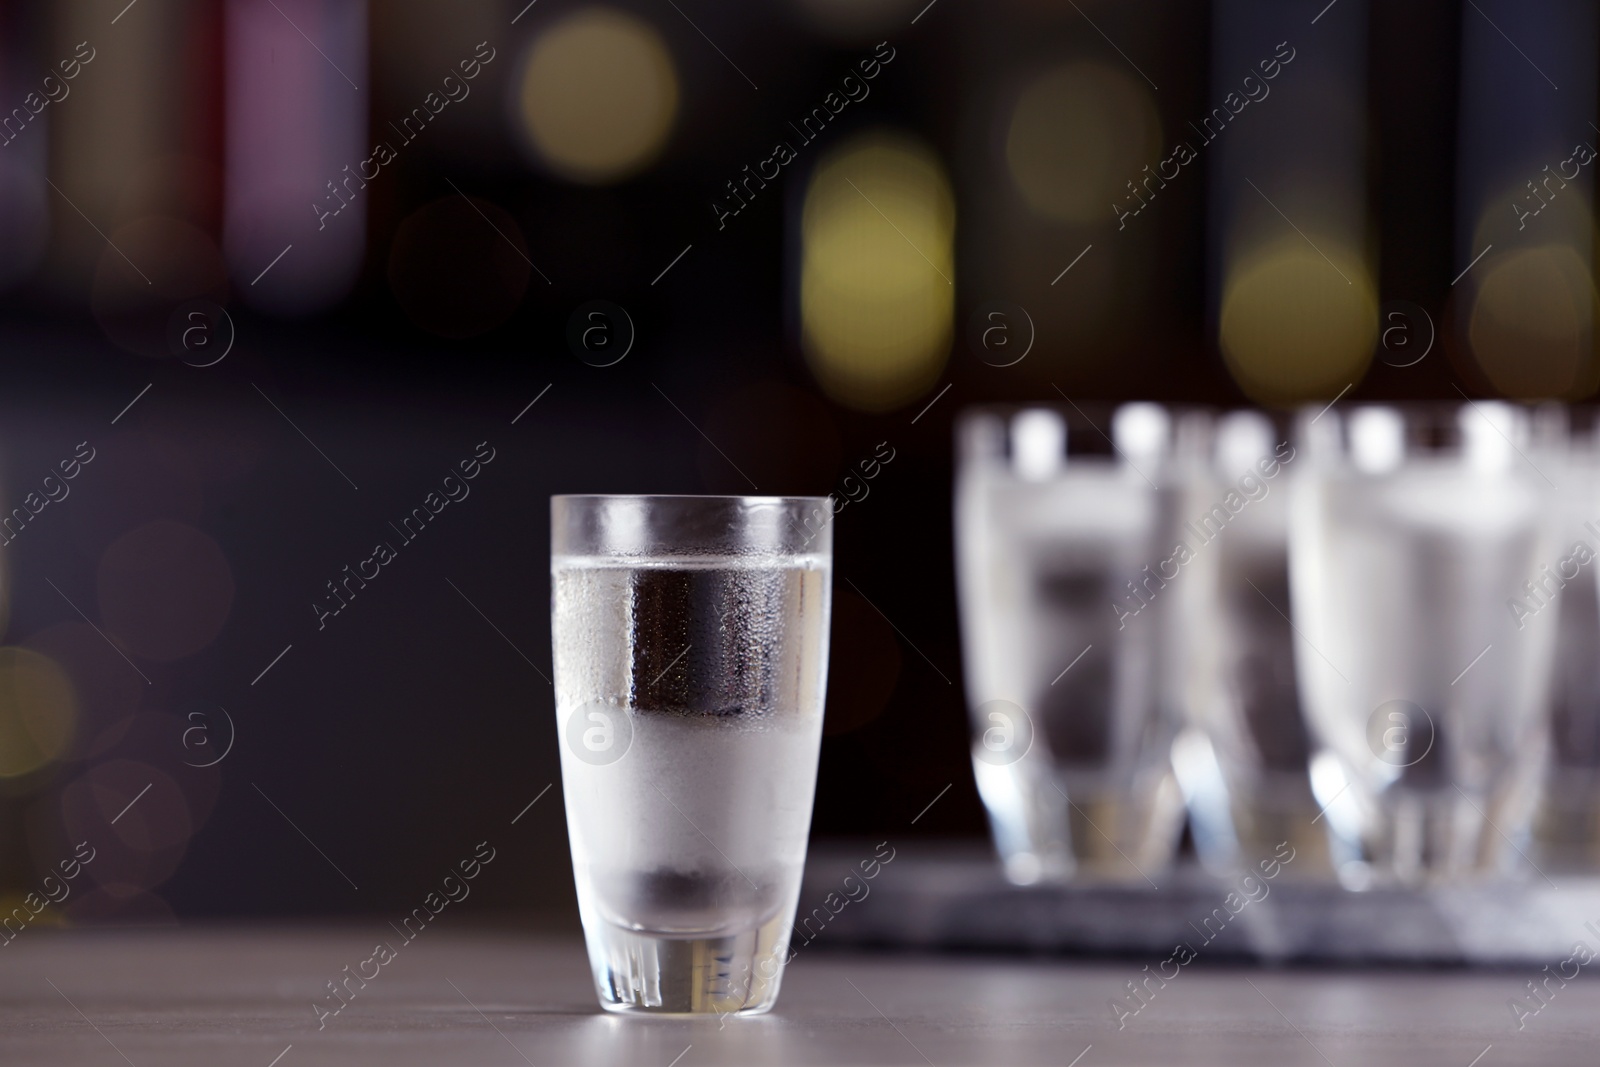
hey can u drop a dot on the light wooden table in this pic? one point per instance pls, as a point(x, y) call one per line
point(242, 997)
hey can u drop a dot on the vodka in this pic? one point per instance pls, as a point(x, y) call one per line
point(689, 694)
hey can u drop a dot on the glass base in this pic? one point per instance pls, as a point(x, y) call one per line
point(1257, 816)
point(736, 974)
point(1101, 835)
point(1414, 838)
point(1567, 830)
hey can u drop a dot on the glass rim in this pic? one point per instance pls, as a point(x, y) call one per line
point(1065, 440)
point(721, 498)
point(638, 525)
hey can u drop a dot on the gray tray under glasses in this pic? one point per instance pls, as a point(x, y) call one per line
point(953, 897)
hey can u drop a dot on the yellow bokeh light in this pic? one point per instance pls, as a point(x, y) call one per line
point(877, 271)
point(37, 711)
point(1532, 324)
point(599, 95)
point(1295, 325)
point(1078, 135)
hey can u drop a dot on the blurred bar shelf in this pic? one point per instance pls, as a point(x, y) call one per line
point(954, 897)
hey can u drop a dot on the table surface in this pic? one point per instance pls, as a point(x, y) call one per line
point(231, 996)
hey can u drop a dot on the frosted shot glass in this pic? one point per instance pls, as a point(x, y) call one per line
point(691, 650)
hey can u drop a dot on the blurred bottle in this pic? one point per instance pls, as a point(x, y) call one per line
point(24, 207)
point(299, 159)
point(134, 147)
point(134, 143)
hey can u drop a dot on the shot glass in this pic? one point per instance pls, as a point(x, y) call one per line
point(691, 650)
point(1418, 537)
point(1070, 639)
point(1567, 826)
point(1244, 763)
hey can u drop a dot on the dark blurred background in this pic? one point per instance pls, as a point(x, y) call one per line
point(280, 265)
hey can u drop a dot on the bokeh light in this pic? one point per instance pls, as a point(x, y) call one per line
point(1531, 326)
point(1078, 134)
point(165, 590)
point(37, 711)
point(144, 846)
point(48, 917)
point(458, 267)
point(599, 94)
point(877, 272)
point(105, 688)
point(177, 742)
point(1296, 326)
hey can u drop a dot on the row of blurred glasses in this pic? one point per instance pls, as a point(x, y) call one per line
point(1370, 631)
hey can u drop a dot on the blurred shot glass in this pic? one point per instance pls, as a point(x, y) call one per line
point(691, 649)
point(1243, 764)
point(1068, 637)
point(1567, 827)
point(1416, 537)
